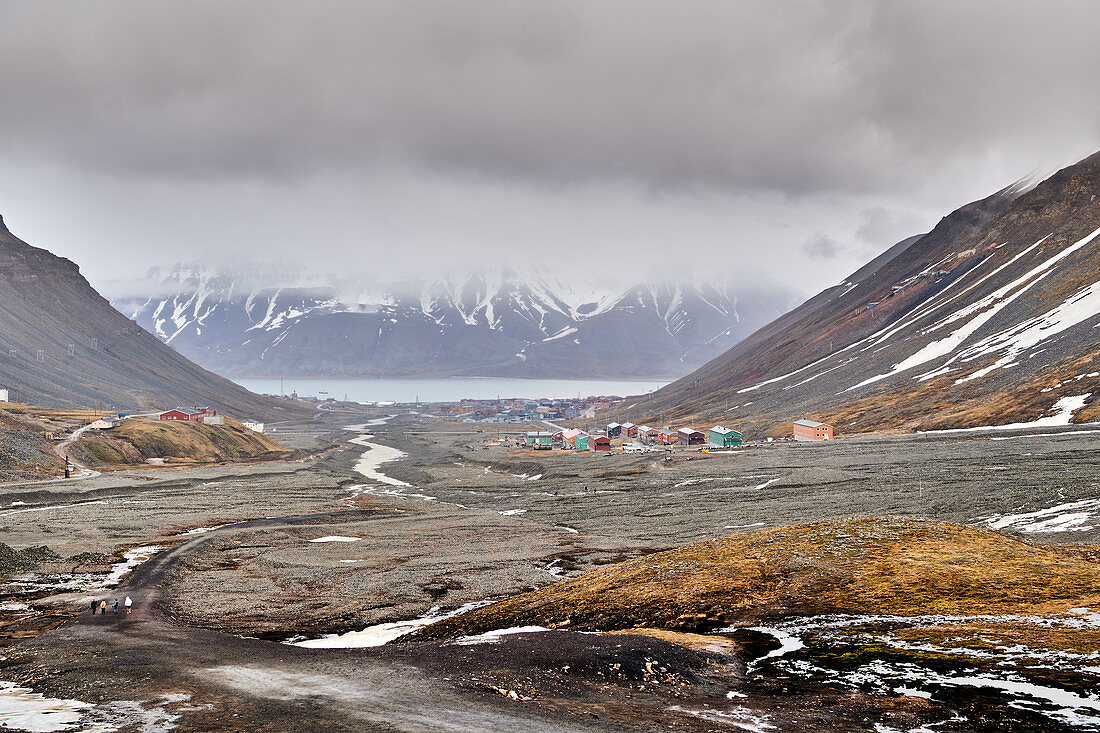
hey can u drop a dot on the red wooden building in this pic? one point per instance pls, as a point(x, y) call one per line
point(690, 436)
point(600, 443)
point(186, 414)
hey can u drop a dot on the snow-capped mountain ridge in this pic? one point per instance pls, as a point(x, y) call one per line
point(494, 323)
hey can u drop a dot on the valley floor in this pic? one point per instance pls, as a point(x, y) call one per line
point(245, 558)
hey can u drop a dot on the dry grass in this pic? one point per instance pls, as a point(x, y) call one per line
point(138, 439)
point(698, 642)
point(83, 416)
point(858, 566)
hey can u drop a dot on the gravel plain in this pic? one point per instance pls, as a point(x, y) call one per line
point(476, 521)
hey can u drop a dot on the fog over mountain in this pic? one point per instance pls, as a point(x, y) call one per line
point(257, 321)
point(797, 139)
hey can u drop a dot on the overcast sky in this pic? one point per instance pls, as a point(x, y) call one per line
point(789, 139)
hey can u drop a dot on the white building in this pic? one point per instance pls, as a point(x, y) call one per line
point(3, 395)
point(213, 420)
point(254, 425)
point(105, 423)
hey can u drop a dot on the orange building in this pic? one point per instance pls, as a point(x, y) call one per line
point(810, 430)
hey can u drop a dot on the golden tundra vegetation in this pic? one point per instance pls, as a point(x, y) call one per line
point(136, 440)
point(860, 566)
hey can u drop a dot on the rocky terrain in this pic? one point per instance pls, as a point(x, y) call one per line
point(988, 319)
point(25, 454)
point(261, 322)
point(747, 590)
point(63, 345)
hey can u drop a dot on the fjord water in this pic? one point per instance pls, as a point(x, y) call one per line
point(447, 389)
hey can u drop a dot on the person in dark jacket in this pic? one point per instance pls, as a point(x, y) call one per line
point(116, 606)
point(94, 604)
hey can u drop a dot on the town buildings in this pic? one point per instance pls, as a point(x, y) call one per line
point(807, 430)
point(723, 437)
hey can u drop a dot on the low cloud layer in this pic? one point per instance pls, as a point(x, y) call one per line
point(404, 135)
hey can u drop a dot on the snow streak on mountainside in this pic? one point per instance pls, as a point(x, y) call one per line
point(992, 318)
point(253, 323)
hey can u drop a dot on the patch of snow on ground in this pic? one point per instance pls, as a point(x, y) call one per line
point(1063, 415)
point(1076, 516)
point(788, 643)
point(133, 558)
point(202, 530)
point(23, 709)
point(336, 538)
point(380, 634)
point(738, 717)
point(767, 483)
point(512, 512)
point(492, 637)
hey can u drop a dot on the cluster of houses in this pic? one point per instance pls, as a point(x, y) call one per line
point(205, 415)
point(601, 440)
point(523, 410)
point(717, 437)
point(208, 416)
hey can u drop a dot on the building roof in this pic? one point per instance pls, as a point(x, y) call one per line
point(723, 430)
point(628, 424)
point(614, 425)
point(644, 427)
point(689, 431)
point(537, 434)
point(186, 411)
point(808, 423)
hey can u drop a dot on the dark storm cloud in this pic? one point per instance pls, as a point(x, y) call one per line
point(792, 138)
point(822, 247)
point(794, 96)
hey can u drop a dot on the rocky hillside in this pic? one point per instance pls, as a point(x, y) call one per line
point(250, 322)
point(62, 344)
point(137, 440)
point(989, 319)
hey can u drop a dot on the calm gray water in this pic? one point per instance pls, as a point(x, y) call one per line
point(445, 390)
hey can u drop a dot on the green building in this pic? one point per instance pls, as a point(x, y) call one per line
point(720, 437)
point(540, 439)
point(582, 442)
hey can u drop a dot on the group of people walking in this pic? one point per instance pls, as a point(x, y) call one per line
point(102, 605)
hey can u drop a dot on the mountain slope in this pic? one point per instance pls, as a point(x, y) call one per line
point(988, 319)
point(63, 345)
point(488, 324)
